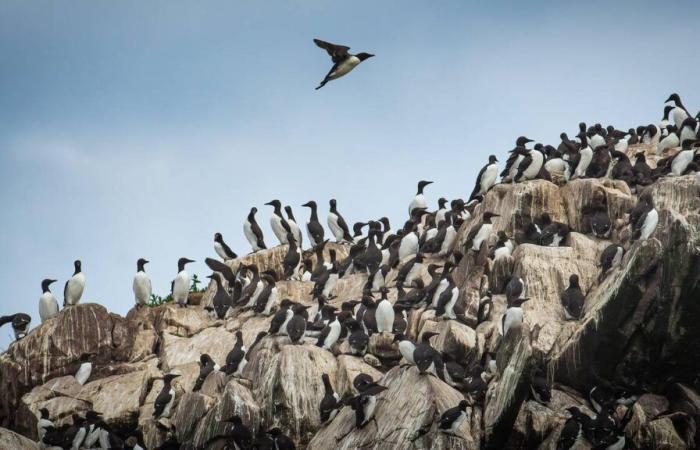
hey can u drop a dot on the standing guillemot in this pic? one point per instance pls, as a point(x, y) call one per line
point(585, 155)
point(296, 328)
point(571, 435)
point(595, 216)
point(516, 156)
point(683, 158)
point(221, 301)
point(268, 296)
point(679, 113)
point(427, 359)
point(622, 169)
point(343, 62)
point(553, 233)
point(142, 284)
point(557, 166)
point(480, 231)
point(572, 299)
point(278, 324)
point(43, 423)
point(330, 333)
point(292, 259)
point(295, 229)
point(326, 282)
point(20, 324)
point(252, 231)
point(515, 289)
point(206, 366)
point(240, 437)
point(357, 338)
point(452, 418)
point(163, 405)
point(74, 287)
point(314, 229)
point(330, 402)
point(447, 301)
point(642, 171)
point(529, 168)
point(540, 387)
point(486, 178)
point(513, 317)
point(419, 200)
point(337, 224)
point(236, 360)
point(644, 217)
point(410, 270)
point(611, 257)
point(48, 305)
point(180, 287)
point(278, 223)
point(485, 307)
point(222, 249)
point(600, 162)
point(385, 314)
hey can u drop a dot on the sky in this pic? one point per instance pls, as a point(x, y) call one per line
point(139, 129)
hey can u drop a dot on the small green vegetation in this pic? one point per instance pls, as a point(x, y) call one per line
point(157, 300)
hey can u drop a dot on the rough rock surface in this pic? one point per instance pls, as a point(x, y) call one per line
point(638, 332)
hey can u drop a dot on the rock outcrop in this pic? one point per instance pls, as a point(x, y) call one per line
point(638, 334)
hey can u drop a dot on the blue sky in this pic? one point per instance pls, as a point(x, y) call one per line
point(138, 129)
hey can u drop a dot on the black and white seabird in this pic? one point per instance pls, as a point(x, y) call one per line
point(513, 161)
point(572, 299)
point(480, 231)
point(679, 113)
point(20, 324)
point(644, 217)
point(278, 324)
point(97, 431)
point(280, 440)
point(642, 171)
point(74, 287)
point(486, 178)
point(515, 289)
point(513, 317)
point(330, 401)
point(357, 338)
point(610, 258)
point(252, 231)
point(600, 162)
point(427, 359)
point(384, 314)
point(85, 369)
point(571, 435)
point(452, 418)
point(42, 423)
point(343, 62)
point(585, 155)
point(531, 164)
point(410, 270)
point(206, 366)
point(553, 233)
point(557, 166)
point(222, 249)
point(683, 158)
point(596, 216)
point(268, 296)
point(330, 333)
point(142, 284)
point(337, 224)
point(292, 259)
point(503, 248)
point(365, 404)
point(366, 314)
point(163, 405)
point(406, 348)
point(236, 358)
point(278, 223)
point(326, 282)
point(447, 302)
point(180, 287)
point(48, 305)
point(314, 229)
point(419, 200)
point(540, 387)
point(622, 169)
point(222, 301)
point(485, 308)
point(296, 328)
point(296, 230)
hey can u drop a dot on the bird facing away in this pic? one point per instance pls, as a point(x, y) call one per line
point(343, 62)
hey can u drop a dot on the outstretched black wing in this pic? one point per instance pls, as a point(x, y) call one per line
point(336, 52)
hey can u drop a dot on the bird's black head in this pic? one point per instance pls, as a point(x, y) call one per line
point(78, 420)
point(140, 263)
point(488, 215)
point(253, 210)
point(332, 202)
point(170, 377)
point(182, 262)
point(422, 184)
point(492, 159)
point(573, 280)
point(640, 157)
point(687, 144)
point(236, 420)
point(45, 284)
point(204, 359)
point(398, 337)
point(77, 265)
point(44, 413)
point(286, 303)
point(357, 228)
point(521, 141)
point(218, 238)
point(463, 405)
point(673, 98)
point(239, 335)
point(427, 335)
point(310, 204)
point(362, 56)
point(93, 416)
point(667, 110)
point(276, 203)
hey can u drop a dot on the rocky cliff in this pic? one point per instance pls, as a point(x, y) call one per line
point(638, 333)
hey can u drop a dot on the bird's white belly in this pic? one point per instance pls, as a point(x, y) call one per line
point(181, 287)
point(514, 319)
point(406, 348)
point(48, 306)
point(680, 162)
point(488, 179)
point(142, 288)
point(278, 229)
point(483, 233)
point(345, 67)
point(385, 316)
point(649, 225)
point(450, 237)
point(408, 246)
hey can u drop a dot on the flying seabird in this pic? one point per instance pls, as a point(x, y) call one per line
point(343, 62)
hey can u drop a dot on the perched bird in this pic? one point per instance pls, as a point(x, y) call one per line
point(553, 233)
point(571, 435)
point(296, 231)
point(222, 301)
point(611, 257)
point(573, 299)
point(428, 360)
point(452, 418)
point(222, 249)
point(330, 401)
point(644, 217)
point(410, 270)
point(585, 156)
point(314, 229)
point(515, 158)
point(385, 314)
point(280, 440)
point(296, 328)
point(365, 404)
point(278, 324)
point(480, 231)
point(540, 387)
point(515, 289)
point(337, 224)
point(531, 164)
point(642, 171)
point(419, 200)
point(236, 358)
point(43, 422)
point(486, 178)
point(513, 317)
point(278, 223)
point(485, 307)
point(180, 287)
point(142, 284)
point(85, 369)
point(357, 337)
point(252, 231)
point(683, 158)
point(163, 405)
point(292, 260)
point(48, 305)
point(343, 62)
point(20, 324)
point(268, 296)
point(679, 113)
point(596, 216)
point(74, 287)
point(206, 366)
point(330, 333)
